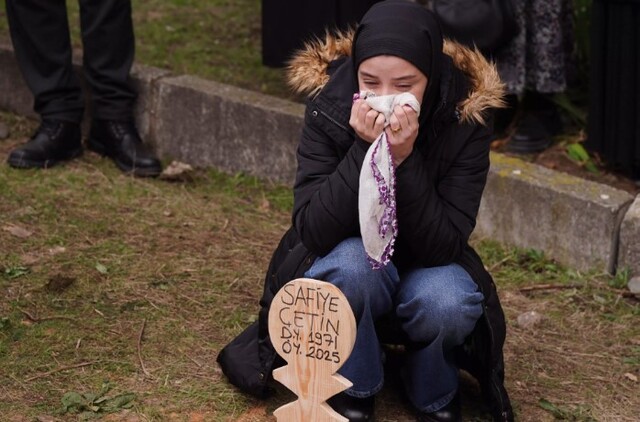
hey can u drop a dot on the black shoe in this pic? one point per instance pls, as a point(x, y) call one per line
point(531, 136)
point(53, 142)
point(540, 122)
point(450, 413)
point(120, 141)
point(353, 408)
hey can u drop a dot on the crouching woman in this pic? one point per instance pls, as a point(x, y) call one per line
point(429, 282)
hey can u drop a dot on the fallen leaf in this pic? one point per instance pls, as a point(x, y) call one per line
point(177, 171)
point(264, 204)
point(17, 231)
point(529, 319)
point(57, 250)
point(46, 418)
point(634, 285)
point(101, 268)
point(631, 377)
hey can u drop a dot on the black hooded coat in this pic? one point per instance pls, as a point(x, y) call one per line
point(439, 187)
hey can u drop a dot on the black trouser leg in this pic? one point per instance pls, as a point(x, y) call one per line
point(40, 35)
point(107, 36)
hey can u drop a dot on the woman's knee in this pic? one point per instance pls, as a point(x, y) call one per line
point(348, 268)
point(444, 303)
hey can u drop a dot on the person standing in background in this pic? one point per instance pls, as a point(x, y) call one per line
point(286, 25)
point(535, 66)
point(614, 86)
point(40, 35)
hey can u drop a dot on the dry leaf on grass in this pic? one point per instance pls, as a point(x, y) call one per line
point(265, 205)
point(529, 319)
point(17, 231)
point(177, 171)
point(46, 418)
point(57, 250)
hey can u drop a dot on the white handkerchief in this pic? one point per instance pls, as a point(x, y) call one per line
point(377, 194)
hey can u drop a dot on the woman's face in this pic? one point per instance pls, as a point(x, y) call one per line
point(387, 75)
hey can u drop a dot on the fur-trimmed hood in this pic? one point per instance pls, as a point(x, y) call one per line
point(307, 72)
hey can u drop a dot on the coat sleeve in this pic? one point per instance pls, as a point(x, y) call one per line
point(326, 189)
point(436, 216)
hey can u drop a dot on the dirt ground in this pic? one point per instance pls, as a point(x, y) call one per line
point(141, 282)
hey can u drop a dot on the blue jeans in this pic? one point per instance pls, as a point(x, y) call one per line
point(436, 306)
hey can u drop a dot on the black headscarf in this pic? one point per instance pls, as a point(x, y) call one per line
point(407, 30)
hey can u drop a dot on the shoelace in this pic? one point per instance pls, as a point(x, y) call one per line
point(123, 127)
point(50, 127)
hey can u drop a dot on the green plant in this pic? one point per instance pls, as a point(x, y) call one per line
point(569, 103)
point(579, 155)
point(15, 272)
point(5, 323)
point(620, 280)
point(579, 413)
point(91, 405)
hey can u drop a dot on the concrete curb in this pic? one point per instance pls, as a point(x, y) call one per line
point(207, 124)
point(629, 255)
point(573, 220)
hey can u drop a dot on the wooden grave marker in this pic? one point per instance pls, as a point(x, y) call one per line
point(312, 327)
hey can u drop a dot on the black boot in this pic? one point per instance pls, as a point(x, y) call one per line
point(353, 408)
point(450, 413)
point(540, 122)
point(53, 142)
point(531, 136)
point(120, 141)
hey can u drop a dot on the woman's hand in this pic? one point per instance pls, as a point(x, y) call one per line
point(365, 121)
point(402, 132)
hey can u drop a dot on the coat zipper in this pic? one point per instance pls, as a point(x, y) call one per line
point(334, 121)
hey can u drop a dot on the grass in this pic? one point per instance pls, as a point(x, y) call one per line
point(214, 39)
point(132, 252)
point(141, 282)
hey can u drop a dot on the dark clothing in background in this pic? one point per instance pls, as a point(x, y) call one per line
point(614, 97)
point(539, 57)
point(287, 24)
point(40, 35)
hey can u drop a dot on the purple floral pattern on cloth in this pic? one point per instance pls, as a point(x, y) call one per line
point(377, 194)
point(388, 224)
